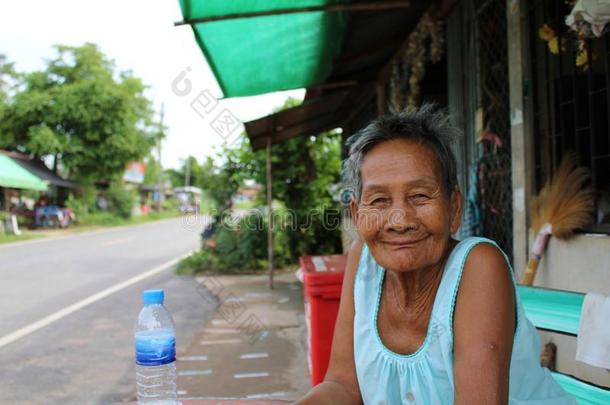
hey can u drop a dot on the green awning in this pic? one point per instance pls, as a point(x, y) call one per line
point(14, 176)
point(263, 54)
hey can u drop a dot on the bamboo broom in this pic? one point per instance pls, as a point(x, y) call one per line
point(563, 206)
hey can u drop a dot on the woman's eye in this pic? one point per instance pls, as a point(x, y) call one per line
point(420, 197)
point(379, 201)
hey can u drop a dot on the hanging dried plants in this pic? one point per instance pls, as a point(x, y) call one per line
point(425, 44)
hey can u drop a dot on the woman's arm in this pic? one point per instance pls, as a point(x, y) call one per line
point(484, 328)
point(340, 385)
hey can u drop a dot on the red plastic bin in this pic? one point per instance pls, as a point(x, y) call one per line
point(322, 278)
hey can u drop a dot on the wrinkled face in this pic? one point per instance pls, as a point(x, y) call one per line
point(405, 215)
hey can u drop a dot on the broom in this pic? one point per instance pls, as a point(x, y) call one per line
point(563, 206)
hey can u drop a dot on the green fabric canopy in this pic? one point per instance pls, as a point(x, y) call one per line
point(262, 54)
point(14, 176)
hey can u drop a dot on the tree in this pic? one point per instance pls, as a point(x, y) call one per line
point(306, 172)
point(8, 76)
point(80, 109)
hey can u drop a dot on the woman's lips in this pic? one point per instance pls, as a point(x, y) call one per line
point(403, 243)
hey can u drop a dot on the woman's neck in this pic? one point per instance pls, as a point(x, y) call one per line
point(415, 291)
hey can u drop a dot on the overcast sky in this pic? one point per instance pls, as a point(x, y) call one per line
point(138, 35)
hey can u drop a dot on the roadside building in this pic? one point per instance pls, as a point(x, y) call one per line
point(525, 88)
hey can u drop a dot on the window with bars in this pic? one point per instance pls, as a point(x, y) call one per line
point(570, 85)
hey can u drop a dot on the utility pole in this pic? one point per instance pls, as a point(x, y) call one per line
point(187, 172)
point(270, 214)
point(160, 188)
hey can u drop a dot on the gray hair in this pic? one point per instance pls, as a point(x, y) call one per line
point(427, 125)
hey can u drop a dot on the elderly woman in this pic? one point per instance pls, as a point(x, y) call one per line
point(424, 318)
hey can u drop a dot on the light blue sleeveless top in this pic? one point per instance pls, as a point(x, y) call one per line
point(426, 376)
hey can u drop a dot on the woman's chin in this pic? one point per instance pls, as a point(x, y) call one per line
point(400, 263)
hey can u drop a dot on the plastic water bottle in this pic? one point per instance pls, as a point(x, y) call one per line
point(155, 343)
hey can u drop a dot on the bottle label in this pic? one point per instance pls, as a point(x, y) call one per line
point(154, 348)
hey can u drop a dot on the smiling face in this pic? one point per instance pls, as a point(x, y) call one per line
point(405, 215)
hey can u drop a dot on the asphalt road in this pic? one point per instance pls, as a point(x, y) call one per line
point(68, 306)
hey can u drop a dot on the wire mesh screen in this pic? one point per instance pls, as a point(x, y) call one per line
point(571, 92)
point(493, 166)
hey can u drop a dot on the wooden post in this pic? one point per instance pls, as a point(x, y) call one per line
point(5, 193)
point(521, 141)
point(270, 214)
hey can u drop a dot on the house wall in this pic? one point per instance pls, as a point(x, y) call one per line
point(581, 264)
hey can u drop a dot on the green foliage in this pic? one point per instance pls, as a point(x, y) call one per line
point(222, 179)
point(121, 200)
point(8, 76)
point(240, 248)
point(94, 119)
point(78, 205)
point(4, 238)
point(152, 171)
point(219, 178)
point(203, 260)
point(306, 173)
point(104, 219)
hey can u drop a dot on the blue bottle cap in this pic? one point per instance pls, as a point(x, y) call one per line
point(153, 297)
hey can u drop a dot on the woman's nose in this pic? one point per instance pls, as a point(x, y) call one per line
point(401, 218)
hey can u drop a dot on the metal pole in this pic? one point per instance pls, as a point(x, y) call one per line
point(160, 174)
point(270, 214)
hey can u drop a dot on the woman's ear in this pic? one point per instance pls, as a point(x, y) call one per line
point(456, 209)
point(353, 206)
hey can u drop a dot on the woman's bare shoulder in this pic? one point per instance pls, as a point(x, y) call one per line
point(485, 260)
point(486, 281)
point(353, 258)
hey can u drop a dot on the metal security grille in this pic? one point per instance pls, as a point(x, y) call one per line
point(492, 122)
point(571, 100)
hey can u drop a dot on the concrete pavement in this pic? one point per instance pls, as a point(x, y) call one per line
point(254, 344)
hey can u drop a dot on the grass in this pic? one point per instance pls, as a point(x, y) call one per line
point(17, 238)
point(87, 223)
point(103, 219)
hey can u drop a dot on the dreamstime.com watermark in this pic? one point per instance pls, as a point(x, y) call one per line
point(205, 105)
point(232, 309)
point(329, 219)
point(255, 219)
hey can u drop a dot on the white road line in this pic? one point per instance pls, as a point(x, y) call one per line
point(193, 373)
point(221, 330)
point(257, 295)
point(283, 300)
point(251, 375)
point(181, 392)
point(192, 358)
point(218, 342)
point(246, 356)
point(54, 317)
point(219, 322)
